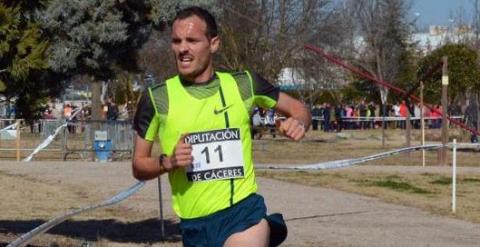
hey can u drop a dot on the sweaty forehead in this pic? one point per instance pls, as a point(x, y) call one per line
point(189, 26)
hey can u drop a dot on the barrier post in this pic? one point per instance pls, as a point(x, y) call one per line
point(454, 176)
point(422, 122)
point(384, 113)
point(408, 129)
point(443, 152)
point(160, 200)
point(64, 143)
point(17, 140)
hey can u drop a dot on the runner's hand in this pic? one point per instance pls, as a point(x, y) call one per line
point(181, 156)
point(292, 128)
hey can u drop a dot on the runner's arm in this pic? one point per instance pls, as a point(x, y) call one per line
point(145, 124)
point(144, 166)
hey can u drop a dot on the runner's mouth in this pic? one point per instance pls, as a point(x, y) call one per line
point(185, 60)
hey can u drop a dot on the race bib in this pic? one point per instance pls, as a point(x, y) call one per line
point(217, 154)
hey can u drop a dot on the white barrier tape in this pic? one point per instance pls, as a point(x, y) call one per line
point(29, 236)
point(379, 119)
point(75, 113)
point(349, 162)
point(45, 143)
point(50, 138)
point(11, 126)
point(464, 145)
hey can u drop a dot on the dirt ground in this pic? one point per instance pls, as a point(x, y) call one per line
point(35, 192)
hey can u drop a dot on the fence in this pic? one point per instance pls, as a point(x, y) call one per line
point(79, 138)
point(75, 141)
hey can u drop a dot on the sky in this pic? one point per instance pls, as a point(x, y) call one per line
point(439, 12)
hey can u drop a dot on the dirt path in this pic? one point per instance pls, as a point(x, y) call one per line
point(325, 217)
point(315, 216)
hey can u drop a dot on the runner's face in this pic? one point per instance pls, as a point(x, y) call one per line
point(193, 49)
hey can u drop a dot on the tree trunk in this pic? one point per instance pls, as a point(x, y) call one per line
point(96, 88)
point(96, 107)
point(408, 130)
point(477, 108)
point(384, 96)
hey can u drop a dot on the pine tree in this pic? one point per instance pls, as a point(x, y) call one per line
point(24, 74)
point(101, 38)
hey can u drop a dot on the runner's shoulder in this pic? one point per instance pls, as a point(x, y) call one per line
point(158, 86)
point(237, 74)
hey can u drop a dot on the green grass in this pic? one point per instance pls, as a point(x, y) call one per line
point(442, 181)
point(471, 180)
point(400, 186)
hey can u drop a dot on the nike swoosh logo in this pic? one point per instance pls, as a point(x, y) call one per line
point(221, 110)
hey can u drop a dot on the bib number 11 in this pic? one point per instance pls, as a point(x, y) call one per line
point(218, 150)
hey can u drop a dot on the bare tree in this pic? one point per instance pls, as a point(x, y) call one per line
point(384, 29)
point(156, 57)
point(476, 43)
point(269, 35)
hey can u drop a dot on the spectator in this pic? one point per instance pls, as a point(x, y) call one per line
point(396, 113)
point(348, 115)
point(362, 108)
point(256, 123)
point(372, 111)
point(416, 114)
point(339, 115)
point(270, 121)
point(67, 111)
point(315, 117)
point(333, 119)
point(403, 109)
point(67, 114)
point(326, 117)
point(112, 110)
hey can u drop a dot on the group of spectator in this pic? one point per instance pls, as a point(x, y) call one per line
point(110, 112)
point(263, 118)
point(335, 117)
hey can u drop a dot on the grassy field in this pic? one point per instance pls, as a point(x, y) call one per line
point(394, 179)
point(319, 146)
point(429, 190)
point(422, 190)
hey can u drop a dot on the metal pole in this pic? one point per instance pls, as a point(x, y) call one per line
point(422, 122)
point(384, 124)
point(444, 111)
point(17, 140)
point(454, 176)
point(408, 128)
point(64, 142)
point(383, 96)
point(160, 200)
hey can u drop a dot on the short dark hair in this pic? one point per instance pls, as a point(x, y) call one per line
point(201, 13)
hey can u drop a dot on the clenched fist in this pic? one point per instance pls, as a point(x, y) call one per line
point(292, 128)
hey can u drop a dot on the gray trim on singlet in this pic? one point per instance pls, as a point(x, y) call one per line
point(160, 93)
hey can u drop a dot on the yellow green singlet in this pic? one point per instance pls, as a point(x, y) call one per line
point(181, 108)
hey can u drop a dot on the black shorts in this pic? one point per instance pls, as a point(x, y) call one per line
point(213, 230)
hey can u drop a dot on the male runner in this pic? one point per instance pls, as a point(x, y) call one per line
point(202, 119)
